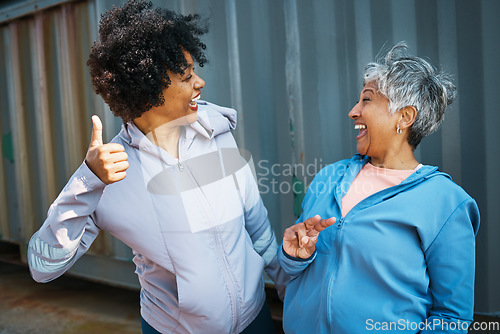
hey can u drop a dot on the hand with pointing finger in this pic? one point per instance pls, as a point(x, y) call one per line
point(300, 239)
point(107, 161)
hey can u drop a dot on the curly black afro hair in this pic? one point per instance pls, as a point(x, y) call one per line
point(137, 46)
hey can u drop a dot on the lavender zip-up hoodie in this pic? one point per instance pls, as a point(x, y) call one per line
point(197, 226)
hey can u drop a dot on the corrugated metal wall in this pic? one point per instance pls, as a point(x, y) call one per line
point(292, 68)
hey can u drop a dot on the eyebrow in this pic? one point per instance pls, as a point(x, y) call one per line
point(368, 90)
point(190, 66)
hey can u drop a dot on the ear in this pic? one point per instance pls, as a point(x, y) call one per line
point(407, 117)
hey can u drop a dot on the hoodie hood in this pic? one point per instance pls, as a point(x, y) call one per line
point(213, 120)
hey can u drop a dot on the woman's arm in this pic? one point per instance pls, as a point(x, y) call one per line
point(451, 267)
point(69, 229)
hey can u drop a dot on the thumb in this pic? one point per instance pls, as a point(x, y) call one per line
point(96, 138)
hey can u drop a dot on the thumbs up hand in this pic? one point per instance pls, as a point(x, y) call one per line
point(107, 161)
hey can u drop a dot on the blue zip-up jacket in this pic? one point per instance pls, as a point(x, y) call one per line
point(402, 260)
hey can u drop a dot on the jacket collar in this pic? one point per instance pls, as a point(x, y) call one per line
point(212, 121)
point(358, 161)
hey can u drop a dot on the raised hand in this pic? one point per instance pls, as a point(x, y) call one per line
point(107, 161)
point(300, 239)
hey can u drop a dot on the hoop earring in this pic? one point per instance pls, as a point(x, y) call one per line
point(399, 131)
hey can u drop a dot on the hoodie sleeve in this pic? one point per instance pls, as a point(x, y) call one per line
point(451, 266)
point(69, 229)
point(295, 266)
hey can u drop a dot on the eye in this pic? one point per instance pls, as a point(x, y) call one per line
point(186, 79)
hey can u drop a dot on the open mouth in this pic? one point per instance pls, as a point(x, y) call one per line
point(362, 130)
point(192, 104)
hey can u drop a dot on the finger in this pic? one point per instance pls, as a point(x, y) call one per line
point(112, 148)
point(118, 176)
point(119, 167)
point(117, 157)
point(311, 222)
point(301, 231)
point(290, 234)
point(324, 223)
point(96, 138)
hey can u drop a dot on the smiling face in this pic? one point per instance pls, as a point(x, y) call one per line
point(377, 127)
point(182, 93)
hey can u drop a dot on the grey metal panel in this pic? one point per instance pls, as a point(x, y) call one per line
point(472, 122)
point(46, 103)
point(12, 9)
point(450, 130)
point(490, 249)
point(293, 70)
point(234, 66)
point(18, 103)
point(5, 143)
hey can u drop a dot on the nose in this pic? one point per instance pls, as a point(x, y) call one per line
point(199, 83)
point(355, 112)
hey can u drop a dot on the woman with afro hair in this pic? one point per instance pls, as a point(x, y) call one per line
point(171, 185)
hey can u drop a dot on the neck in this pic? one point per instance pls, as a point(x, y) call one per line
point(404, 159)
point(163, 134)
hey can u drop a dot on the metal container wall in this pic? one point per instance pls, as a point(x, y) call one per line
point(292, 69)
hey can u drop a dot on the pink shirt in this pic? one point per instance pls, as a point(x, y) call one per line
point(370, 180)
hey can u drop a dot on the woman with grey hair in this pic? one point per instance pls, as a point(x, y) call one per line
point(397, 250)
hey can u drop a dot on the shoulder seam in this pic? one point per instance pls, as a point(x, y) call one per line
point(446, 222)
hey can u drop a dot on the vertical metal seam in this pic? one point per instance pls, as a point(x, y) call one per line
point(69, 85)
point(36, 88)
point(101, 108)
point(17, 122)
point(234, 68)
point(4, 207)
point(492, 139)
point(451, 136)
point(294, 81)
point(46, 169)
point(364, 50)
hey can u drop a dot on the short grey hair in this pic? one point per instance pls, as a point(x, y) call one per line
point(412, 81)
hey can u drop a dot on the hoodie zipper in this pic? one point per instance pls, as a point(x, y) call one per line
point(357, 208)
point(228, 277)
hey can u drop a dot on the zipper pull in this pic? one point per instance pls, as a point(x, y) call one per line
point(181, 167)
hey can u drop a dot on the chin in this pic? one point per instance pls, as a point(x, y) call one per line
point(362, 150)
